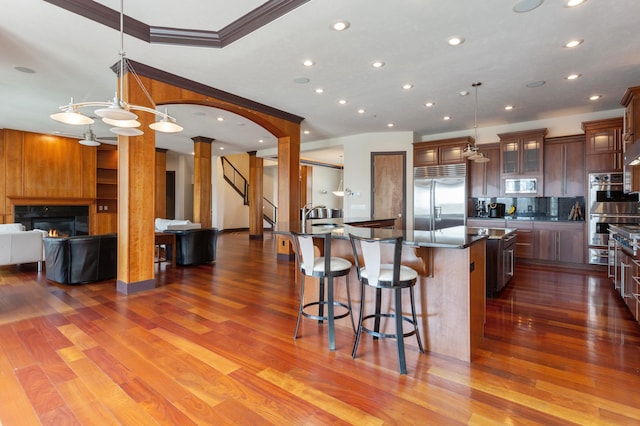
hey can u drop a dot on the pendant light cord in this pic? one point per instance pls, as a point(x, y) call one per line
point(475, 114)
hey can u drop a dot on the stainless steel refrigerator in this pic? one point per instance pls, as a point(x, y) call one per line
point(439, 196)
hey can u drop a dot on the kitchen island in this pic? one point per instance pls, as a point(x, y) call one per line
point(450, 291)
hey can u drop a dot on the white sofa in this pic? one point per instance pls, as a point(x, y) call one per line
point(175, 225)
point(18, 246)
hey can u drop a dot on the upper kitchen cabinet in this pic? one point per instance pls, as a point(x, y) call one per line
point(445, 151)
point(485, 177)
point(521, 163)
point(631, 102)
point(521, 153)
point(604, 145)
point(564, 169)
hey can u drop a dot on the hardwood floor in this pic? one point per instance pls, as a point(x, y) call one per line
point(214, 344)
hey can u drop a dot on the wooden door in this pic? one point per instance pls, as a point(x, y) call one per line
point(388, 186)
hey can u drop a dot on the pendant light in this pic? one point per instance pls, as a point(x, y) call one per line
point(474, 153)
point(118, 112)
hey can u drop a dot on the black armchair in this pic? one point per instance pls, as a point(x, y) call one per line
point(81, 259)
point(195, 246)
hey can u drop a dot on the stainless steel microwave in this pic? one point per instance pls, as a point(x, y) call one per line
point(521, 186)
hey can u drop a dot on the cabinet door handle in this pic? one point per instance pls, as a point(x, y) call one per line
point(511, 262)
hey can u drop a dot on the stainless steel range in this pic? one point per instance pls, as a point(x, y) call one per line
point(628, 236)
point(608, 205)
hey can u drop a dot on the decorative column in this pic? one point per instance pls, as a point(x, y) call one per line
point(288, 191)
point(202, 180)
point(136, 183)
point(256, 196)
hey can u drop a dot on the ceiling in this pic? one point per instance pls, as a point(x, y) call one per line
point(71, 56)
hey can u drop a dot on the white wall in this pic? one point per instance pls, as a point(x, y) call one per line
point(182, 165)
point(357, 171)
point(325, 181)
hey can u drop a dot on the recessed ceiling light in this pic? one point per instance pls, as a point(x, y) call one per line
point(220, 118)
point(595, 97)
point(222, 148)
point(301, 80)
point(390, 125)
point(446, 117)
point(362, 111)
point(306, 132)
point(407, 86)
point(308, 63)
point(533, 84)
point(319, 90)
point(524, 6)
point(340, 25)
point(455, 40)
point(464, 93)
point(573, 43)
point(509, 107)
point(342, 101)
point(429, 104)
point(573, 76)
point(572, 3)
point(260, 141)
point(377, 64)
point(25, 70)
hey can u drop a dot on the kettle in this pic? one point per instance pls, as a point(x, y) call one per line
point(496, 210)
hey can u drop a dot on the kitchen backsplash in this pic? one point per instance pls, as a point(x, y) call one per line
point(536, 208)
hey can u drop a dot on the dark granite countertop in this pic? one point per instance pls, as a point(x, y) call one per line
point(458, 237)
point(528, 219)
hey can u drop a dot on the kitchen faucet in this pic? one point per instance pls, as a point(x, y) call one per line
point(306, 212)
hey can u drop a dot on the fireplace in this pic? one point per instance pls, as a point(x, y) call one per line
point(65, 220)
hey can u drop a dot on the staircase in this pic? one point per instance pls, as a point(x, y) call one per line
point(240, 184)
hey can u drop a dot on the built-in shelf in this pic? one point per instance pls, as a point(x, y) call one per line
point(107, 179)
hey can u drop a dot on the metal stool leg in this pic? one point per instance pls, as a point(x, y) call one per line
point(353, 325)
point(415, 319)
point(402, 363)
point(295, 336)
point(359, 330)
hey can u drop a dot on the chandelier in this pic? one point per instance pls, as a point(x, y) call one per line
point(118, 112)
point(472, 152)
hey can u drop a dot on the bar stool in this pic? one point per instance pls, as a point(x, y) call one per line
point(321, 267)
point(385, 276)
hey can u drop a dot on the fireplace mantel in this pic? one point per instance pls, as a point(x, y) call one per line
point(61, 201)
point(20, 201)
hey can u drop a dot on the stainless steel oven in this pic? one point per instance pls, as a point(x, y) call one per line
point(608, 205)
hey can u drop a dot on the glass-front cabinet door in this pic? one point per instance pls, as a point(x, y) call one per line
point(510, 151)
point(531, 156)
point(521, 152)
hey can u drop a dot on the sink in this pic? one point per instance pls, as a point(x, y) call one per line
point(323, 213)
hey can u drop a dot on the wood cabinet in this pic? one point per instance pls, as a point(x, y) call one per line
point(485, 177)
point(445, 151)
point(521, 153)
point(631, 150)
point(522, 156)
point(564, 169)
point(631, 102)
point(604, 145)
point(526, 242)
point(561, 242)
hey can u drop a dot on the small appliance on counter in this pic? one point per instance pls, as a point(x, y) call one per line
point(496, 210)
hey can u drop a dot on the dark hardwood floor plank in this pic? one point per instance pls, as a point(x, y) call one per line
point(213, 344)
